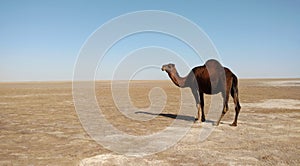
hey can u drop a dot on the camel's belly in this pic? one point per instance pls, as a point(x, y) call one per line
point(208, 89)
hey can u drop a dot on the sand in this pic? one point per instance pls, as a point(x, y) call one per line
point(39, 126)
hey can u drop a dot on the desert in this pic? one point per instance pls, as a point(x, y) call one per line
point(40, 126)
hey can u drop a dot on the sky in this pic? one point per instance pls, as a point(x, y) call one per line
point(41, 40)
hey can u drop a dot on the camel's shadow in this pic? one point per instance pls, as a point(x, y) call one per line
point(174, 116)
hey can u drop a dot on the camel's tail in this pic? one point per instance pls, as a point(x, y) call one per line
point(235, 91)
point(234, 86)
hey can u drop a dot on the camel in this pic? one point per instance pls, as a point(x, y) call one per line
point(208, 79)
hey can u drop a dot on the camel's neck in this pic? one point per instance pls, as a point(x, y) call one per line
point(177, 80)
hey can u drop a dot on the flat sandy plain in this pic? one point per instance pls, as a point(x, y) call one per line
point(39, 126)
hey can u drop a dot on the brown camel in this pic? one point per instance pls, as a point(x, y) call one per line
point(208, 79)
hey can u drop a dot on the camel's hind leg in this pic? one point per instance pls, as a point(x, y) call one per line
point(225, 105)
point(235, 96)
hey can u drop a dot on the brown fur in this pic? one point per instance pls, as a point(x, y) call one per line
point(211, 78)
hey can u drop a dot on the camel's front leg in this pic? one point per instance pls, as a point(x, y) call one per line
point(196, 96)
point(198, 113)
point(202, 108)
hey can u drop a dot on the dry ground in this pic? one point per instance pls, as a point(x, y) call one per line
point(39, 126)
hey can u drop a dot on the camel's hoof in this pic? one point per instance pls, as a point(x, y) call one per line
point(233, 124)
point(202, 119)
point(197, 120)
point(216, 124)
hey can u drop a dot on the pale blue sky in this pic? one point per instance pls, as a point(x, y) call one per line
point(40, 40)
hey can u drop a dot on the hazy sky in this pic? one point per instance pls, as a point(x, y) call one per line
point(40, 40)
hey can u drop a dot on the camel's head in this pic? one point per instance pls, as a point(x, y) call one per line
point(168, 67)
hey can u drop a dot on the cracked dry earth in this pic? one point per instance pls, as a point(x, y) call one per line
point(39, 126)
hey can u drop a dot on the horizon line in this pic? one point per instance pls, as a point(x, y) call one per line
point(59, 81)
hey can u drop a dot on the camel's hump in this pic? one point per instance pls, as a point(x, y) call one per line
point(213, 63)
